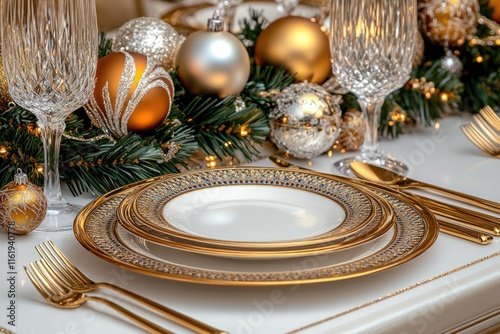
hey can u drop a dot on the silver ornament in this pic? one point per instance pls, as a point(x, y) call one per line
point(451, 63)
point(149, 36)
point(213, 62)
point(306, 120)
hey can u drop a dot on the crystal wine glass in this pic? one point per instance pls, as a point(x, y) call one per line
point(49, 50)
point(372, 47)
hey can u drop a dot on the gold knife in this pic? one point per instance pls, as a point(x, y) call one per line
point(460, 231)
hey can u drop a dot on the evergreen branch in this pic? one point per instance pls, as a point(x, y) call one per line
point(110, 165)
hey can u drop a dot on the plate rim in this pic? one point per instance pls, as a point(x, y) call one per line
point(429, 237)
point(174, 15)
point(130, 217)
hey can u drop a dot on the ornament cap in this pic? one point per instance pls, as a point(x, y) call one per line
point(215, 23)
point(20, 177)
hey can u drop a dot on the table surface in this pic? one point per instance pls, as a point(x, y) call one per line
point(450, 285)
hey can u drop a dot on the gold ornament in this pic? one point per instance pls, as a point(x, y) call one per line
point(213, 62)
point(419, 49)
point(131, 93)
point(5, 97)
point(299, 45)
point(495, 4)
point(449, 22)
point(352, 131)
point(149, 36)
point(23, 205)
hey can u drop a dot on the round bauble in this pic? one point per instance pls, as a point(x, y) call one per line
point(449, 22)
point(352, 131)
point(306, 120)
point(495, 5)
point(149, 36)
point(419, 49)
point(132, 93)
point(213, 63)
point(297, 44)
point(23, 205)
point(5, 97)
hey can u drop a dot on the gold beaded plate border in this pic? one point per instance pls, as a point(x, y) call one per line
point(374, 229)
point(415, 231)
point(182, 17)
point(141, 212)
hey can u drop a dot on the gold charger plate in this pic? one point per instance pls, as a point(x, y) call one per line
point(143, 212)
point(190, 18)
point(415, 231)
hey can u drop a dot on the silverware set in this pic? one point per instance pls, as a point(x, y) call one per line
point(64, 286)
point(458, 221)
point(484, 131)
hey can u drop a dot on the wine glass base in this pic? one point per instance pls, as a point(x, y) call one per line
point(59, 218)
point(342, 166)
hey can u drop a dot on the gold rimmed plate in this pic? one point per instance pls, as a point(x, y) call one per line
point(97, 229)
point(190, 18)
point(254, 212)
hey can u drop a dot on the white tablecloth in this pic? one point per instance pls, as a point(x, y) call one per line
point(454, 283)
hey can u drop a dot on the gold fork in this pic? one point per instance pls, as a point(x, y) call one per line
point(78, 282)
point(492, 118)
point(485, 141)
point(57, 295)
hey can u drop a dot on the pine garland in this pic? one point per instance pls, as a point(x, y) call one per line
point(231, 127)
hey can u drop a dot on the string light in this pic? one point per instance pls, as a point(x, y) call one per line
point(211, 161)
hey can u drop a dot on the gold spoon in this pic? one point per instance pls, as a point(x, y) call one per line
point(384, 176)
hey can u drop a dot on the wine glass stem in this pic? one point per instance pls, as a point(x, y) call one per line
point(51, 136)
point(371, 113)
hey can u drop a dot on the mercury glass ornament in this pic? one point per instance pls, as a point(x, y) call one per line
point(213, 62)
point(451, 63)
point(306, 120)
point(149, 36)
point(448, 22)
point(23, 205)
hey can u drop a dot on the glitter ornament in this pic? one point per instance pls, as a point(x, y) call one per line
point(149, 36)
point(5, 97)
point(449, 22)
point(306, 121)
point(23, 205)
point(419, 49)
point(299, 45)
point(451, 63)
point(131, 93)
point(352, 131)
point(213, 62)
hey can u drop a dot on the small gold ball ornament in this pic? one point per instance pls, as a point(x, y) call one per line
point(5, 97)
point(131, 93)
point(213, 62)
point(352, 131)
point(299, 45)
point(419, 49)
point(449, 22)
point(23, 205)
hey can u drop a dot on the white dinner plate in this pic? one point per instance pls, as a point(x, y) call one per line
point(254, 212)
point(190, 18)
point(414, 232)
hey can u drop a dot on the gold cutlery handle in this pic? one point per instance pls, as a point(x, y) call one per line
point(469, 199)
point(474, 219)
point(173, 315)
point(144, 323)
point(465, 233)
